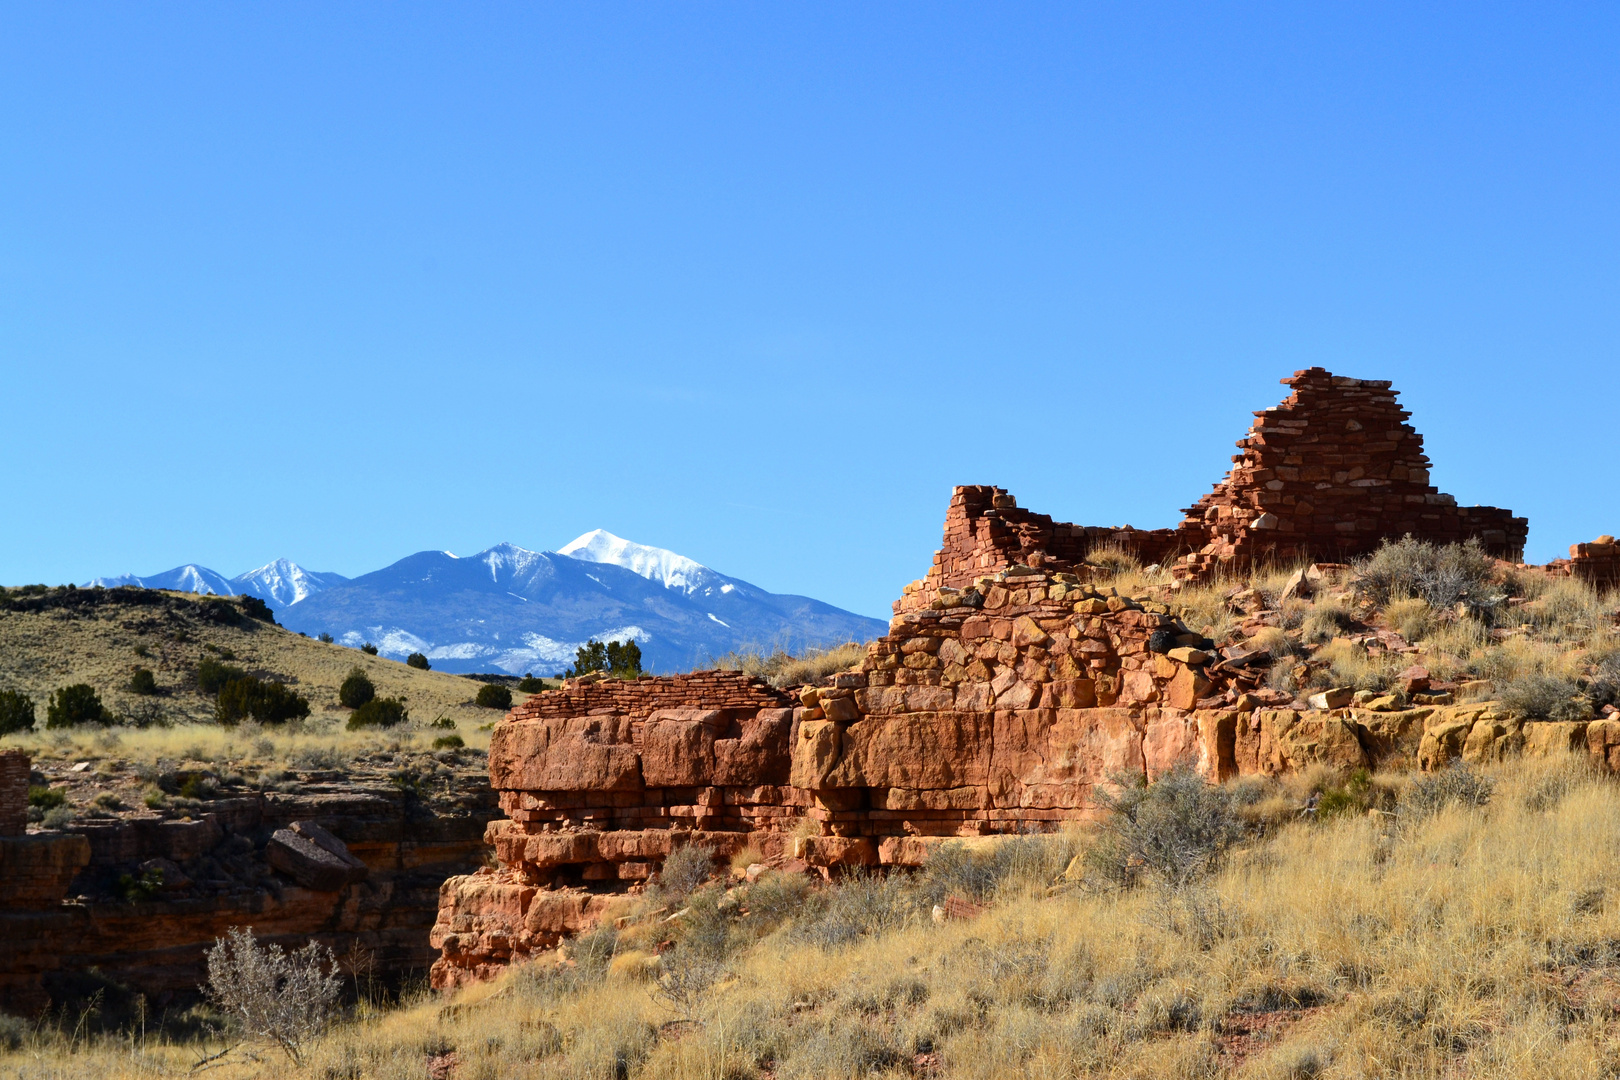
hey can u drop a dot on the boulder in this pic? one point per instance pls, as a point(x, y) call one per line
point(313, 857)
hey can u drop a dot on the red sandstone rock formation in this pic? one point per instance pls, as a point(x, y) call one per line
point(1008, 688)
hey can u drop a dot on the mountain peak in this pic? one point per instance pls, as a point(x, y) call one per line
point(283, 582)
point(655, 564)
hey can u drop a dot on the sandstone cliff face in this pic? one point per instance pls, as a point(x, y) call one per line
point(64, 909)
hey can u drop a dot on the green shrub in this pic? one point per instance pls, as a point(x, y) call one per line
point(417, 660)
point(265, 701)
point(356, 690)
point(134, 889)
point(74, 705)
point(212, 675)
point(142, 681)
point(369, 649)
point(324, 638)
point(254, 608)
point(494, 696)
point(444, 723)
point(530, 685)
point(16, 712)
point(448, 742)
point(46, 798)
point(378, 712)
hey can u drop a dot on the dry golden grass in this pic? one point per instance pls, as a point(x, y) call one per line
point(783, 669)
point(42, 651)
point(1475, 942)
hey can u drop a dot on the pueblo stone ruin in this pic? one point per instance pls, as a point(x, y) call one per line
point(1009, 686)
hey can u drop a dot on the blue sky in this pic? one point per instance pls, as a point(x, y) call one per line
point(760, 283)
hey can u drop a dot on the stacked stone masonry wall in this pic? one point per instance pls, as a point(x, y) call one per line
point(14, 771)
point(1326, 475)
point(1008, 688)
point(1597, 563)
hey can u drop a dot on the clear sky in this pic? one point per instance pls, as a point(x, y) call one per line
point(761, 282)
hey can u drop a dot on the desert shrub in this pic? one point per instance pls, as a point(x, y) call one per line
point(59, 818)
point(324, 638)
point(13, 1033)
point(378, 712)
point(262, 700)
point(1443, 575)
point(1457, 784)
point(284, 998)
point(978, 875)
point(142, 681)
point(863, 905)
point(418, 661)
point(449, 742)
point(443, 723)
point(1567, 610)
point(686, 868)
point(1604, 687)
point(1326, 621)
point(356, 690)
point(1546, 697)
point(1175, 830)
point(212, 675)
point(317, 759)
point(46, 798)
point(16, 712)
point(493, 696)
point(1349, 664)
point(74, 705)
point(369, 649)
point(530, 685)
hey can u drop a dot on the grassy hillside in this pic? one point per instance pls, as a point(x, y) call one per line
point(52, 640)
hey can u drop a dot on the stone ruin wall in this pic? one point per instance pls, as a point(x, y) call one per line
point(14, 769)
point(1007, 689)
point(1326, 475)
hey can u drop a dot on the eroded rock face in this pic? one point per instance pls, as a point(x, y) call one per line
point(358, 869)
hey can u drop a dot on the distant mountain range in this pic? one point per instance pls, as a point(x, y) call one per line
point(514, 610)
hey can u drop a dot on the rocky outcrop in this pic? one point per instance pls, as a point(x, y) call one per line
point(139, 898)
point(1009, 689)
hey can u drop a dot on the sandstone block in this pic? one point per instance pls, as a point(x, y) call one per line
point(815, 753)
point(581, 753)
point(310, 864)
point(1336, 698)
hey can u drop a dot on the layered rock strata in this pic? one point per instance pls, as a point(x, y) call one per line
point(139, 899)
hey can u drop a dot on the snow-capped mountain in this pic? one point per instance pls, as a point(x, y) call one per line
point(511, 609)
point(670, 570)
point(188, 578)
point(283, 583)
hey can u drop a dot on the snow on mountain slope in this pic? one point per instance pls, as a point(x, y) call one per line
point(188, 578)
point(668, 569)
point(512, 609)
point(283, 583)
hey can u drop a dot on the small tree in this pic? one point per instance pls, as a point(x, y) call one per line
point(356, 690)
point(74, 705)
point(530, 685)
point(417, 660)
point(378, 712)
point(213, 675)
point(280, 997)
point(324, 638)
point(623, 661)
point(143, 682)
point(369, 649)
point(267, 702)
point(16, 712)
point(494, 696)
